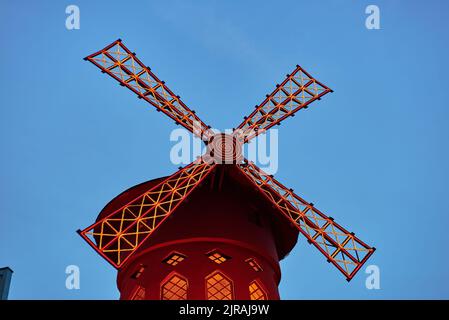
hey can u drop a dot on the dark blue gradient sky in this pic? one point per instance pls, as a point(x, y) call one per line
point(374, 154)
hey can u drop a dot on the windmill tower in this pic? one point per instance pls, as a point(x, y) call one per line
point(226, 241)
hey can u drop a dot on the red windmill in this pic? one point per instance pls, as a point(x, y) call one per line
point(226, 241)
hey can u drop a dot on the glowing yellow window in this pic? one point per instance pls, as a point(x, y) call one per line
point(175, 288)
point(256, 292)
point(174, 258)
point(219, 287)
point(253, 264)
point(139, 293)
point(217, 257)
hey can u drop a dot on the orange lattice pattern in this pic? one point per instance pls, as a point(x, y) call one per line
point(121, 64)
point(175, 289)
point(217, 257)
point(219, 287)
point(341, 247)
point(297, 91)
point(119, 234)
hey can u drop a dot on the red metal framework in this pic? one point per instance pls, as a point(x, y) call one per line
point(122, 232)
point(117, 236)
point(341, 247)
point(121, 64)
point(296, 92)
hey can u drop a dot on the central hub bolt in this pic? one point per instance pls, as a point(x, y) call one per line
point(224, 149)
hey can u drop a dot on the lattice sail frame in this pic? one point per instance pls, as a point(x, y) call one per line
point(121, 64)
point(341, 247)
point(296, 92)
point(122, 232)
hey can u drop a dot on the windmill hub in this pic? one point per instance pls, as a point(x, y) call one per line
point(224, 149)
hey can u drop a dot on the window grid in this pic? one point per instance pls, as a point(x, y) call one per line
point(174, 289)
point(174, 258)
point(256, 292)
point(253, 264)
point(217, 257)
point(219, 287)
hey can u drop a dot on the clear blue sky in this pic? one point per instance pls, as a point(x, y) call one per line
point(374, 154)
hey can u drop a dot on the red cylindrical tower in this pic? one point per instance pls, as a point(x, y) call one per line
point(223, 243)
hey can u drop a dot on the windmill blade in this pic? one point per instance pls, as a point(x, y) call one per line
point(117, 236)
point(121, 64)
point(341, 247)
point(297, 91)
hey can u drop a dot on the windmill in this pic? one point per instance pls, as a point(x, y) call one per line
point(217, 228)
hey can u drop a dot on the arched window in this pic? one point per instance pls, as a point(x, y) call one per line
point(138, 294)
point(256, 292)
point(174, 288)
point(219, 287)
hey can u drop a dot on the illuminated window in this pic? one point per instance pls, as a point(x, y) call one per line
point(174, 258)
point(139, 293)
point(256, 292)
point(217, 257)
point(175, 288)
point(139, 272)
point(218, 287)
point(253, 264)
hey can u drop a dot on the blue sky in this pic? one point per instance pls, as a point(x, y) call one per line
point(373, 154)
